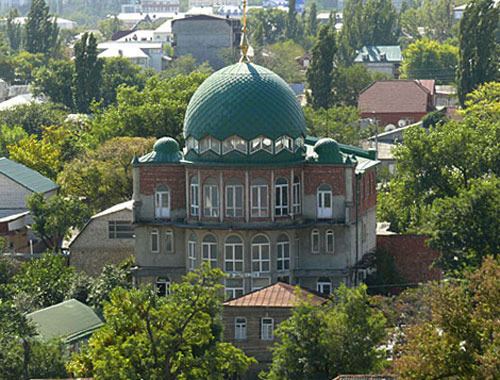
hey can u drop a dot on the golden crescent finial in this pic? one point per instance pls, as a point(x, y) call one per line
point(244, 37)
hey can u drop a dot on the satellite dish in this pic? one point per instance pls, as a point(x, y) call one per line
point(402, 123)
point(389, 127)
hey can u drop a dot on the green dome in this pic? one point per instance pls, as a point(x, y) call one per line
point(166, 145)
point(165, 149)
point(328, 151)
point(246, 100)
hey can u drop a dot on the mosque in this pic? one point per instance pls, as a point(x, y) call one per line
point(251, 193)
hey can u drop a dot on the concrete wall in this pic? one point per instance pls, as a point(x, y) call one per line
point(12, 194)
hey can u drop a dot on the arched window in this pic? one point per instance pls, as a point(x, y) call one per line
point(296, 195)
point(324, 202)
point(234, 199)
point(283, 256)
point(233, 256)
point(155, 241)
point(162, 202)
point(324, 286)
point(209, 250)
point(192, 252)
point(330, 241)
point(259, 198)
point(162, 286)
point(281, 189)
point(315, 241)
point(211, 198)
point(169, 241)
point(260, 254)
point(195, 196)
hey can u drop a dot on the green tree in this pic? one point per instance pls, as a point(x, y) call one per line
point(26, 65)
point(109, 26)
point(292, 24)
point(14, 30)
point(320, 73)
point(88, 73)
point(312, 22)
point(55, 80)
point(437, 18)
point(280, 58)
point(478, 48)
point(174, 337)
point(321, 342)
point(40, 33)
point(272, 20)
point(10, 136)
point(352, 32)
point(186, 65)
point(54, 217)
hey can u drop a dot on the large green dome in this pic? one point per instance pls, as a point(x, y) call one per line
point(246, 100)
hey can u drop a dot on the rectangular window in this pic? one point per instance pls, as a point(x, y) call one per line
point(267, 328)
point(120, 229)
point(259, 201)
point(169, 241)
point(329, 241)
point(324, 287)
point(234, 201)
point(240, 328)
point(315, 242)
point(259, 283)
point(155, 243)
point(260, 258)
point(162, 201)
point(195, 199)
point(234, 258)
point(296, 198)
point(281, 199)
point(209, 253)
point(211, 206)
point(192, 255)
point(283, 262)
point(234, 288)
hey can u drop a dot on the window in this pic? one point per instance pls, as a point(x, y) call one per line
point(330, 242)
point(315, 241)
point(162, 286)
point(211, 200)
point(195, 196)
point(155, 243)
point(234, 143)
point(240, 328)
point(233, 261)
point(261, 143)
point(284, 142)
point(234, 288)
point(192, 143)
point(283, 247)
point(169, 241)
point(324, 202)
point(162, 203)
point(267, 328)
point(259, 283)
point(348, 184)
point(120, 229)
point(324, 286)
point(209, 250)
point(260, 254)
point(299, 143)
point(192, 252)
point(209, 143)
point(281, 208)
point(259, 200)
point(296, 196)
point(234, 201)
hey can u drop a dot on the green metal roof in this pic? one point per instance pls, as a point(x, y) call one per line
point(70, 319)
point(166, 149)
point(29, 178)
point(373, 54)
point(247, 100)
point(328, 151)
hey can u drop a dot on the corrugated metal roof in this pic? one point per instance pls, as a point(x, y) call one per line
point(276, 295)
point(373, 54)
point(29, 178)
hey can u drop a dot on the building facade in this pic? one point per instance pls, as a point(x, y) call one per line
point(251, 193)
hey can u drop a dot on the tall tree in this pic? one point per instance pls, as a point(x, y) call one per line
point(478, 48)
point(319, 75)
point(55, 80)
point(88, 73)
point(14, 30)
point(40, 34)
point(292, 24)
point(312, 22)
point(352, 31)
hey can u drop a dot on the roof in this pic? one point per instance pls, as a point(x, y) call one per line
point(279, 294)
point(125, 52)
point(389, 96)
point(374, 54)
point(429, 84)
point(26, 177)
point(18, 100)
point(11, 218)
point(137, 36)
point(71, 319)
point(127, 45)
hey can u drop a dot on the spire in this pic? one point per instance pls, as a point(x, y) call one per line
point(244, 37)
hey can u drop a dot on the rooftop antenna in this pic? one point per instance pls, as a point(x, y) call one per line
point(244, 37)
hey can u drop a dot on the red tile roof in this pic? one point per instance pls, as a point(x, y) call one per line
point(391, 96)
point(429, 84)
point(276, 295)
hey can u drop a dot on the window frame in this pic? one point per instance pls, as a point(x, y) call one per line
point(240, 328)
point(160, 211)
point(115, 225)
point(162, 281)
point(296, 196)
point(280, 253)
point(322, 211)
point(282, 190)
point(194, 197)
point(169, 234)
point(256, 205)
point(320, 285)
point(208, 197)
point(154, 239)
point(329, 234)
point(231, 247)
point(315, 248)
point(259, 248)
point(192, 252)
point(265, 332)
point(210, 246)
point(236, 291)
point(237, 211)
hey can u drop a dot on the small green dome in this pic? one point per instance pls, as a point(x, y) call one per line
point(165, 149)
point(166, 145)
point(246, 100)
point(328, 151)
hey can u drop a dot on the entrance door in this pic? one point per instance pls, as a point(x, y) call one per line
point(162, 204)
point(325, 207)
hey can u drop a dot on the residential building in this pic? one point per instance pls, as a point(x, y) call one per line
point(14, 232)
point(131, 20)
point(446, 96)
point(148, 55)
point(107, 238)
point(396, 102)
point(383, 59)
point(62, 23)
point(205, 38)
point(163, 6)
point(250, 320)
point(251, 193)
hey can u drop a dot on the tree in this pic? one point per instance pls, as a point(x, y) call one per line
point(88, 73)
point(280, 58)
point(14, 30)
point(292, 24)
point(26, 65)
point(10, 136)
point(438, 19)
point(321, 342)
point(54, 217)
point(352, 32)
point(174, 337)
point(109, 27)
point(380, 23)
point(272, 20)
point(461, 339)
point(312, 22)
point(186, 65)
point(478, 48)
point(55, 80)
point(40, 31)
point(319, 75)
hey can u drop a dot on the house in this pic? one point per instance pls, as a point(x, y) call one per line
point(17, 182)
point(62, 23)
point(384, 59)
point(251, 193)
point(396, 102)
point(107, 238)
point(19, 100)
point(129, 20)
point(71, 320)
point(250, 320)
point(446, 96)
point(163, 6)
point(14, 231)
point(205, 37)
point(148, 55)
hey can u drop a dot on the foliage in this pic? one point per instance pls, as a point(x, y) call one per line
point(478, 48)
point(40, 31)
point(292, 27)
point(80, 287)
point(109, 26)
point(322, 342)
point(280, 58)
point(10, 136)
point(272, 21)
point(174, 337)
point(386, 279)
point(14, 30)
point(25, 65)
point(312, 21)
point(48, 359)
point(435, 118)
point(461, 339)
point(427, 59)
point(185, 65)
point(54, 217)
point(104, 177)
point(437, 18)
point(55, 81)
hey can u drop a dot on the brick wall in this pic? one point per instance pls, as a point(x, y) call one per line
point(411, 256)
point(330, 175)
point(173, 177)
point(393, 117)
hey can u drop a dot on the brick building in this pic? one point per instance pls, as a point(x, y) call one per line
point(251, 193)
